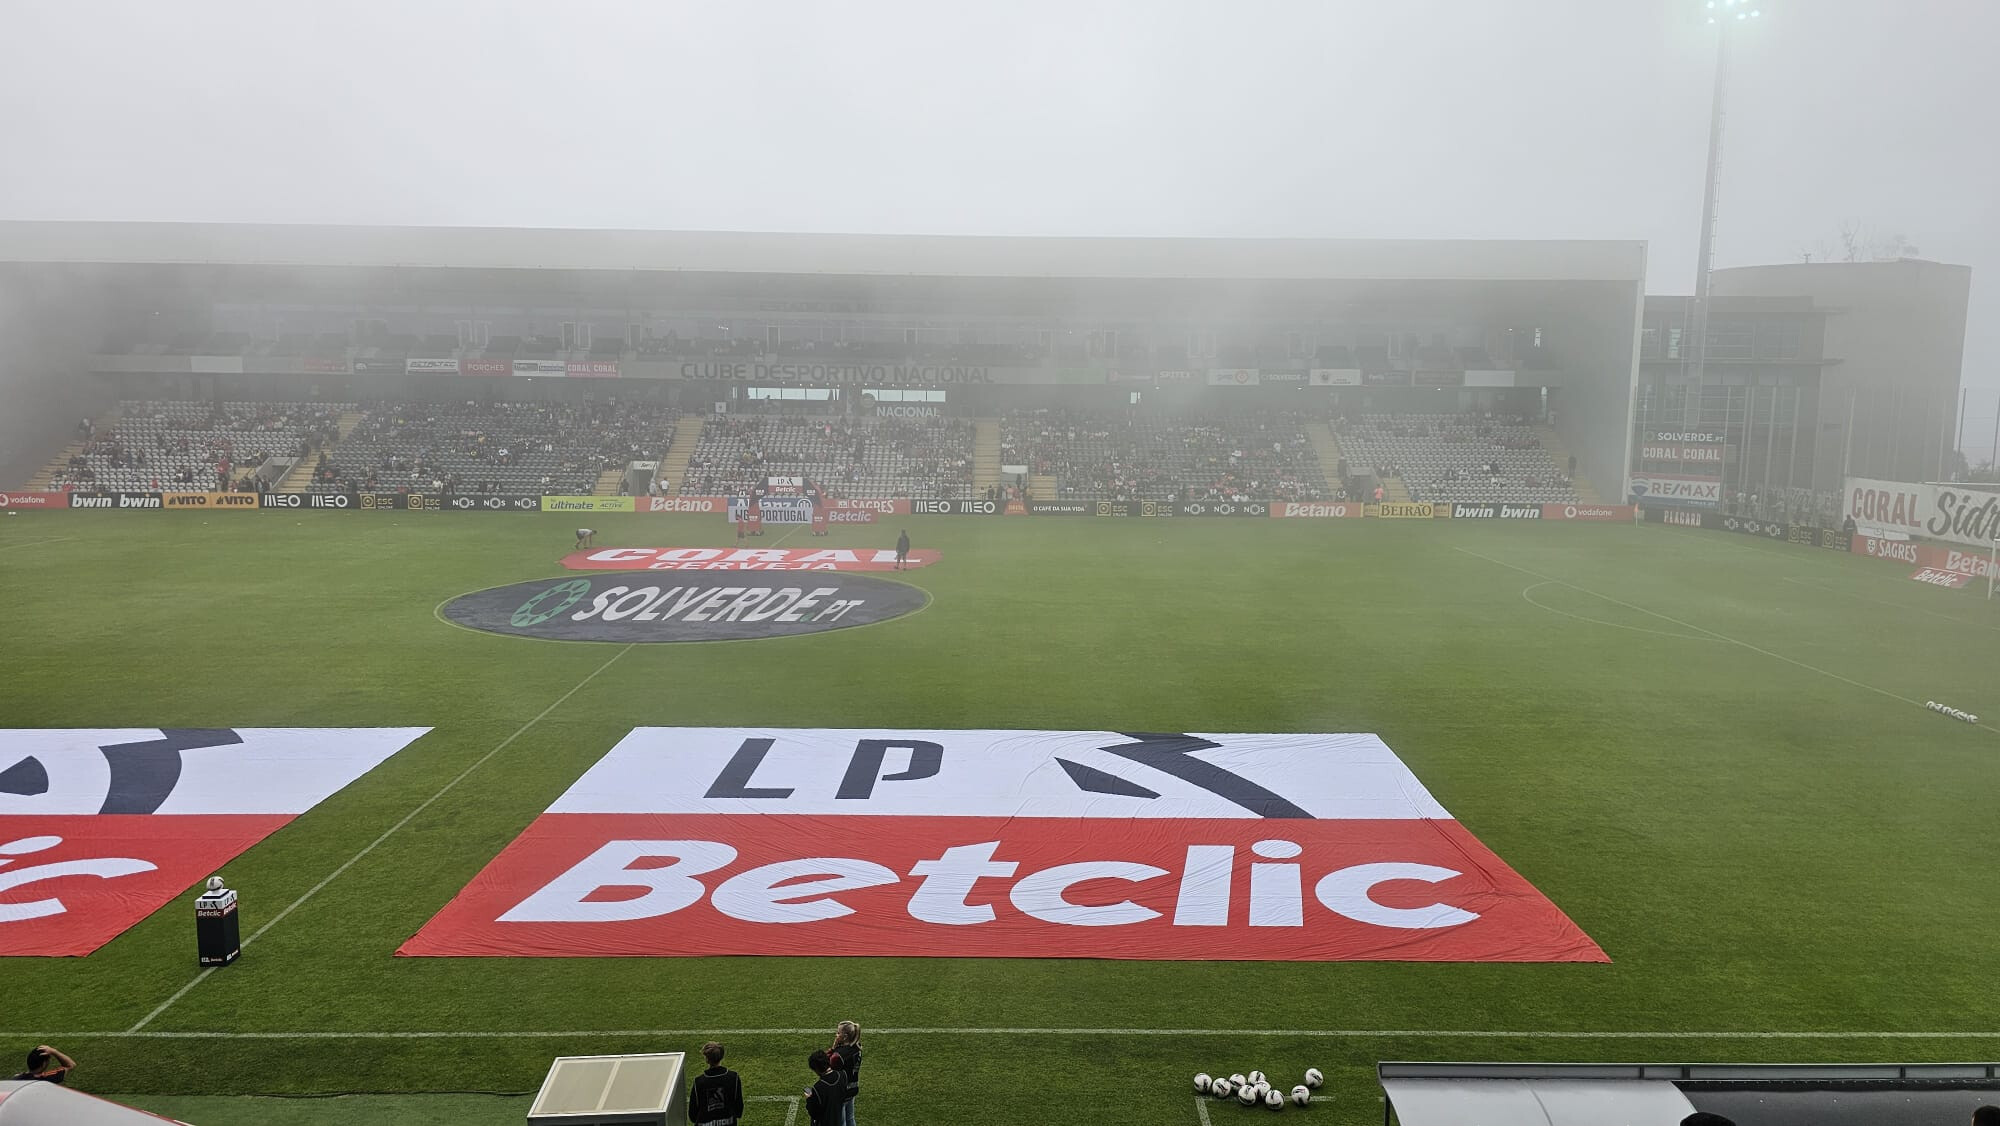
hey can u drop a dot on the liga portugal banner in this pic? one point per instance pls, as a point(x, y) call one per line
point(697, 842)
point(100, 828)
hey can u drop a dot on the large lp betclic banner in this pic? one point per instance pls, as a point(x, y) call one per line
point(100, 828)
point(1002, 844)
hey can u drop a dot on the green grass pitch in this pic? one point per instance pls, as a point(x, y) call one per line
point(1710, 751)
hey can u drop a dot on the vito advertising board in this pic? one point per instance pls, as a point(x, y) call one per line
point(209, 502)
point(698, 842)
point(1958, 514)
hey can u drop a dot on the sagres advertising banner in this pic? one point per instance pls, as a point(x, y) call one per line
point(100, 828)
point(1038, 844)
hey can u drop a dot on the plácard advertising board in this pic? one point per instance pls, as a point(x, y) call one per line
point(1954, 513)
point(743, 559)
point(99, 828)
point(694, 608)
point(1001, 844)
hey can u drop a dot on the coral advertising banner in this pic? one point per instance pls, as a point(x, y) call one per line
point(1001, 844)
point(100, 828)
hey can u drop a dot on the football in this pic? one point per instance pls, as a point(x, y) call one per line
point(1247, 1095)
point(1221, 1088)
point(1256, 1077)
point(1274, 1099)
point(1262, 1088)
point(1201, 1082)
point(1238, 1079)
point(1314, 1078)
point(1302, 1095)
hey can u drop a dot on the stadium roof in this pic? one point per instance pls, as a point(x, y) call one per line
point(490, 248)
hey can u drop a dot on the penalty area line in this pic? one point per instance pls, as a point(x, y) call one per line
point(386, 834)
point(1182, 1033)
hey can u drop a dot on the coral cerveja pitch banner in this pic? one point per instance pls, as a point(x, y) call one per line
point(100, 828)
point(1041, 844)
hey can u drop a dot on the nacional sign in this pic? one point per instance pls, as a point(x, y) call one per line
point(743, 559)
point(599, 608)
point(699, 842)
point(99, 828)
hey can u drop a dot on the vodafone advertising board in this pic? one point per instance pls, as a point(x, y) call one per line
point(99, 828)
point(741, 559)
point(698, 842)
point(34, 500)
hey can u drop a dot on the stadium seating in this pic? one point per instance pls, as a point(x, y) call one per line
point(1161, 457)
point(860, 458)
point(187, 445)
point(509, 448)
point(1456, 457)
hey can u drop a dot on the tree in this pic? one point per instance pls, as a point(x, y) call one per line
point(1855, 241)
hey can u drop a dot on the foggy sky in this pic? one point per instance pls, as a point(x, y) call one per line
point(1384, 118)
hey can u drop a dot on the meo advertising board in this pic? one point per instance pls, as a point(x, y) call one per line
point(695, 842)
point(100, 828)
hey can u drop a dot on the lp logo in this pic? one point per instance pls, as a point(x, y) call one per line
point(106, 867)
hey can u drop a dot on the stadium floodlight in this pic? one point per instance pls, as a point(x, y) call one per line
point(1720, 14)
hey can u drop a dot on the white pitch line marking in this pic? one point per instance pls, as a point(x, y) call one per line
point(1821, 587)
point(1703, 629)
point(1201, 1110)
point(1532, 587)
point(36, 543)
point(386, 834)
point(1314, 1033)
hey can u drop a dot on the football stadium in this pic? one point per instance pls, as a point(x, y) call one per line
point(1084, 664)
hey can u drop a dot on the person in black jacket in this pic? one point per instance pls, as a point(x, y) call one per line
point(715, 1098)
point(845, 1056)
point(826, 1097)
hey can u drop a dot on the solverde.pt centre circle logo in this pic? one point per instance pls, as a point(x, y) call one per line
point(712, 608)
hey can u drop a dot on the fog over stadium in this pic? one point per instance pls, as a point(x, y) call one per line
point(1354, 119)
point(1407, 561)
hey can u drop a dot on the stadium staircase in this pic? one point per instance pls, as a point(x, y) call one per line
point(986, 455)
point(1327, 448)
point(680, 451)
point(1585, 491)
point(1395, 491)
point(607, 483)
point(298, 478)
point(45, 480)
point(1043, 486)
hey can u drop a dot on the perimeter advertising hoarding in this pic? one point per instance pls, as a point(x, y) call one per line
point(698, 842)
point(1959, 514)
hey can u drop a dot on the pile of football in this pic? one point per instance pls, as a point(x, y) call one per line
point(1253, 1089)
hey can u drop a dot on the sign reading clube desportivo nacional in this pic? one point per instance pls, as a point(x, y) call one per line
point(1044, 844)
point(99, 828)
point(683, 607)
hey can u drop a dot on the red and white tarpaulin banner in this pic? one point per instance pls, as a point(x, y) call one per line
point(1971, 563)
point(1043, 844)
point(1967, 515)
point(742, 559)
point(100, 828)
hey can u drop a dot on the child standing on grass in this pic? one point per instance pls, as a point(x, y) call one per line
point(715, 1098)
point(846, 1058)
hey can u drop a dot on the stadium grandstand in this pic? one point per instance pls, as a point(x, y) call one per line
point(468, 362)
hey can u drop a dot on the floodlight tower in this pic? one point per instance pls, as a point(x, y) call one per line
point(1724, 18)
